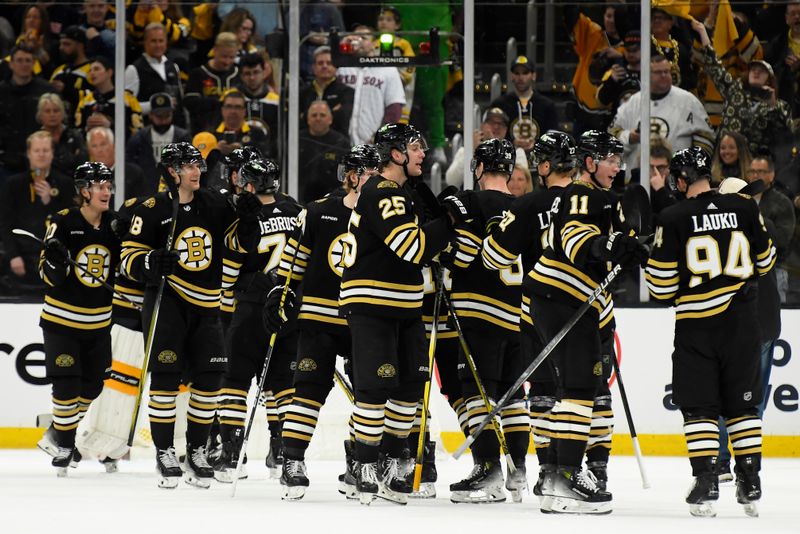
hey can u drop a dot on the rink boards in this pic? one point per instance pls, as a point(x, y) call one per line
point(644, 350)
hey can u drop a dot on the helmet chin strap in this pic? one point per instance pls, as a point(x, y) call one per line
point(405, 167)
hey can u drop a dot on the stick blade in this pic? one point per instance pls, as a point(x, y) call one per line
point(637, 210)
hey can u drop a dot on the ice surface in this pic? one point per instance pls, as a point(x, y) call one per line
point(34, 500)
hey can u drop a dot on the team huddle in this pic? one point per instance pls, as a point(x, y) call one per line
point(212, 289)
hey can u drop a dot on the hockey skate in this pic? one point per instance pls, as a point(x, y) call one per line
point(703, 493)
point(576, 492)
point(427, 487)
point(366, 481)
point(62, 460)
point(48, 442)
point(748, 485)
point(393, 486)
point(600, 471)
point(347, 480)
point(517, 482)
point(110, 464)
point(543, 488)
point(294, 479)
point(274, 460)
point(224, 462)
point(724, 471)
point(484, 484)
point(198, 472)
point(168, 467)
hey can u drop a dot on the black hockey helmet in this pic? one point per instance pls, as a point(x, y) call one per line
point(240, 156)
point(91, 172)
point(176, 155)
point(691, 164)
point(264, 174)
point(558, 148)
point(497, 155)
point(598, 146)
point(398, 136)
point(359, 159)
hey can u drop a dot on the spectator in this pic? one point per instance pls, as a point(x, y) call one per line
point(326, 86)
point(390, 21)
point(100, 142)
point(215, 176)
point(145, 146)
point(176, 26)
point(207, 83)
point(621, 80)
point(319, 153)
point(262, 101)
point(35, 36)
point(675, 46)
point(72, 76)
point(99, 35)
point(26, 201)
point(241, 23)
point(19, 101)
point(153, 73)
point(520, 181)
point(778, 214)
point(750, 107)
point(494, 126)
point(317, 18)
point(660, 195)
point(783, 53)
point(676, 116)
point(234, 132)
point(379, 96)
point(69, 149)
point(731, 158)
point(96, 106)
point(266, 16)
point(531, 114)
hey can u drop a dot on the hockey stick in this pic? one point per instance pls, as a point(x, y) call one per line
point(84, 270)
point(636, 449)
point(151, 328)
point(426, 396)
point(347, 389)
point(474, 368)
point(545, 352)
point(263, 378)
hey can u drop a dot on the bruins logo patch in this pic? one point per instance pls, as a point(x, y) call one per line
point(388, 183)
point(149, 203)
point(307, 364)
point(64, 360)
point(598, 369)
point(167, 356)
point(130, 202)
point(386, 370)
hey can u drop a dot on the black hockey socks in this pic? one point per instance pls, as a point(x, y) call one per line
point(162, 417)
point(202, 409)
point(273, 422)
point(571, 423)
point(486, 445)
point(516, 422)
point(368, 424)
point(460, 407)
point(232, 409)
point(702, 441)
point(299, 423)
point(399, 417)
point(283, 399)
point(745, 435)
point(599, 445)
point(541, 407)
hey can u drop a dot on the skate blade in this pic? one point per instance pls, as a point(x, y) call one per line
point(348, 490)
point(517, 493)
point(274, 473)
point(61, 472)
point(193, 480)
point(564, 505)
point(751, 509)
point(227, 475)
point(727, 477)
point(48, 446)
point(168, 482)
point(393, 496)
point(545, 504)
point(427, 490)
point(366, 498)
point(477, 497)
point(704, 509)
point(111, 467)
point(294, 493)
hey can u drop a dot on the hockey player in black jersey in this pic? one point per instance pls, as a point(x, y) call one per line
point(381, 298)
point(247, 337)
point(76, 316)
point(487, 304)
point(316, 260)
point(188, 337)
point(522, 235)
point(581, 245)
point(708, 251)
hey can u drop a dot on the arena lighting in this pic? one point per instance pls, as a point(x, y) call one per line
point(386, 41)
point(344, 56)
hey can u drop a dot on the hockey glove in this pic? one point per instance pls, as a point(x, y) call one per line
point(55, 253)
point(447, 257)
point(120, 226)
point(248, 205)
point(619, 248)
point(160, 262)
point(456, 208)
point(273, 315)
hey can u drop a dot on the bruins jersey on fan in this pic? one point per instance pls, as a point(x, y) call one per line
point(124, 312)
point(566, 271)
point(705, 250)
point(482, 296)
point(205, 227)
point(383, 274)
point(522, 234)
point(78, 304)
point(322, 251)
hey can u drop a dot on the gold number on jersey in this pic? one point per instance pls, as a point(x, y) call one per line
point(272, 244)
point(392, 206)
point(136, 225)
point(508, 218)
point(51, 230)
point(703, 258)
point(658, 239)
point(578, 205)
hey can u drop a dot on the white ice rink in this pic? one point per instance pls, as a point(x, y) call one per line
point(34, 500)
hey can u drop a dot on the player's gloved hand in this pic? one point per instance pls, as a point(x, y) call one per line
point(457, 208)
point(248, 205)
point(120, 225)
point(620, 248)
point(55, 252)
point(273, 315)
point(447, 257)
point(160, 262)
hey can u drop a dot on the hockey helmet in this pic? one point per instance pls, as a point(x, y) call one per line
point(690, 164)
point(396, 136)
point(91, 172)
point(556, 147)
point(359, 159)
point(598, 146)
point(497, 155)
point(176, 155)
point(264, 174)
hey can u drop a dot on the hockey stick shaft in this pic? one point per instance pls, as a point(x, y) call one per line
point(151, 328)
point(545, 352)
point(426, 396)
point(25, 233)
point(474, 369)
point(347, 389)
point(629, 416)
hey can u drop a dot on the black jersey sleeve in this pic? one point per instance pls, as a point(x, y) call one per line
point(51, 274)
point(143, 237)
point(297, 252)
point(584, 210)
point(661, 273)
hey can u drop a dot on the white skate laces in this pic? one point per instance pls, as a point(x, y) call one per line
point(295, 468)
point(168, 458)
point(199, 457)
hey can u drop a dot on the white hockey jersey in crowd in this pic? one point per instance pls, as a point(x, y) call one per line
point(376, 88)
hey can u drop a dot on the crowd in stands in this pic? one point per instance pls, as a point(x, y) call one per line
point(725, 76)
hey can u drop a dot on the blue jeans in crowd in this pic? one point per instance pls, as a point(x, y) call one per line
point(767, 348)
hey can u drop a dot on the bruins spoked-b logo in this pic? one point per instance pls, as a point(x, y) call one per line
point(307, 364)
point(387, 370)
point(96, 262)
point(341, 253)
point(64, 360)
point(194, 247)
point(167, 356)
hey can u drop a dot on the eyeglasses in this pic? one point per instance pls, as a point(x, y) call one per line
point(761, 172)
point(232, 106)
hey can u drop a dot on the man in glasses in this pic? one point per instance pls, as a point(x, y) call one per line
point(234, 131)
